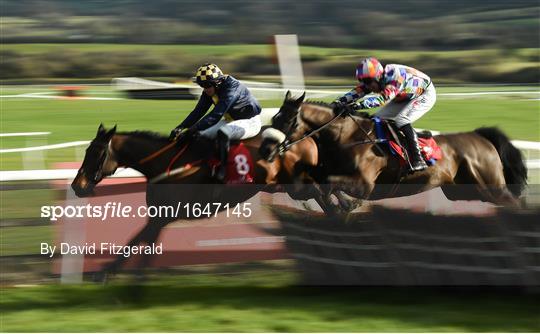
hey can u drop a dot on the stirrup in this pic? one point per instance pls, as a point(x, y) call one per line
point(418, 166)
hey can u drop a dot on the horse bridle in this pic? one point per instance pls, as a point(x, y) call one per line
point(279, 149)
point(99, 175)
point(286, 145)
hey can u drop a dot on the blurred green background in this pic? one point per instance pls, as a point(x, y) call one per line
point(453, 41)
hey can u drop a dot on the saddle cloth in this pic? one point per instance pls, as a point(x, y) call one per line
point(428, 146)
point(239, 165)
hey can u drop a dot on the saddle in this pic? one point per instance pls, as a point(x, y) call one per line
point(387, 131)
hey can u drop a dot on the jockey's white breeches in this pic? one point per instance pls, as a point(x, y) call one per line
point(407, 112)
point(237, 130)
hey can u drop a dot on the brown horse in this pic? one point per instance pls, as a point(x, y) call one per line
point(189, 177)
point(478, 165)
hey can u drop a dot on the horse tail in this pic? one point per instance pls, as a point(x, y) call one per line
point(515, 171)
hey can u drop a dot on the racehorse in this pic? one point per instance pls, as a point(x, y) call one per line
point(168, 165)
point(478, 165)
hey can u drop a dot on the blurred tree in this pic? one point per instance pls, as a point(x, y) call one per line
point(389, 24)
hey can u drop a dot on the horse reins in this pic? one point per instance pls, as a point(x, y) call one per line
point(176, 156)
point(369, 141)
point(164, 149)
point(157, 153)
point(285, 146)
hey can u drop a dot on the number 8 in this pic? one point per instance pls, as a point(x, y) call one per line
point(242, 166)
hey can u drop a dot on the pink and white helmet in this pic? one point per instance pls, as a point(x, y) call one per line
point(369, 68)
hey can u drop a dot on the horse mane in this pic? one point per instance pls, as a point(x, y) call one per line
point(150, 135)
point(362, 114)
point(319, 103)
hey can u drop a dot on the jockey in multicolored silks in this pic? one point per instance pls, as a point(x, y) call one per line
point(236, 114)
point(404, 93)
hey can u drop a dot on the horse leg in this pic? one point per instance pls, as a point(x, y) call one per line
point(499, 195)
point(355, 186)
point(325, 202)
point(344, 204)
point(149, 238)
point(113, 267)
point(488, 186)
point(347, 204)
point(321, 195)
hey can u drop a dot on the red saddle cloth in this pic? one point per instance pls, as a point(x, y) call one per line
point(239, 165)
point(429, 148)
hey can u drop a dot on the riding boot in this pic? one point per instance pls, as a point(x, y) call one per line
point(223, 145)
point(413, 149)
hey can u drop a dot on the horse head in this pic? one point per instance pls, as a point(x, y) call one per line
point(283, 124)
point(99, 162)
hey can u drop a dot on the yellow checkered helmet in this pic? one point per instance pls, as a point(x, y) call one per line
point(207, 75)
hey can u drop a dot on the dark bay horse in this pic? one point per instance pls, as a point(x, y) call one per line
point(182, 174)
point(477, 165)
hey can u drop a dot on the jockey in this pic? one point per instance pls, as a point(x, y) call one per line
point(236, 113)
point(404, 93)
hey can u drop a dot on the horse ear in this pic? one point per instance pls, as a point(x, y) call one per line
point(301, 98)
point(288, 95)
point(100, 130)
point(111, 132)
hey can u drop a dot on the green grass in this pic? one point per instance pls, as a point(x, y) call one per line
point(190, 49)
point(487, 88)
point(519, 119)
point(262, 301)
point(24, 205)
point(15, 204)
point(24, 240)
